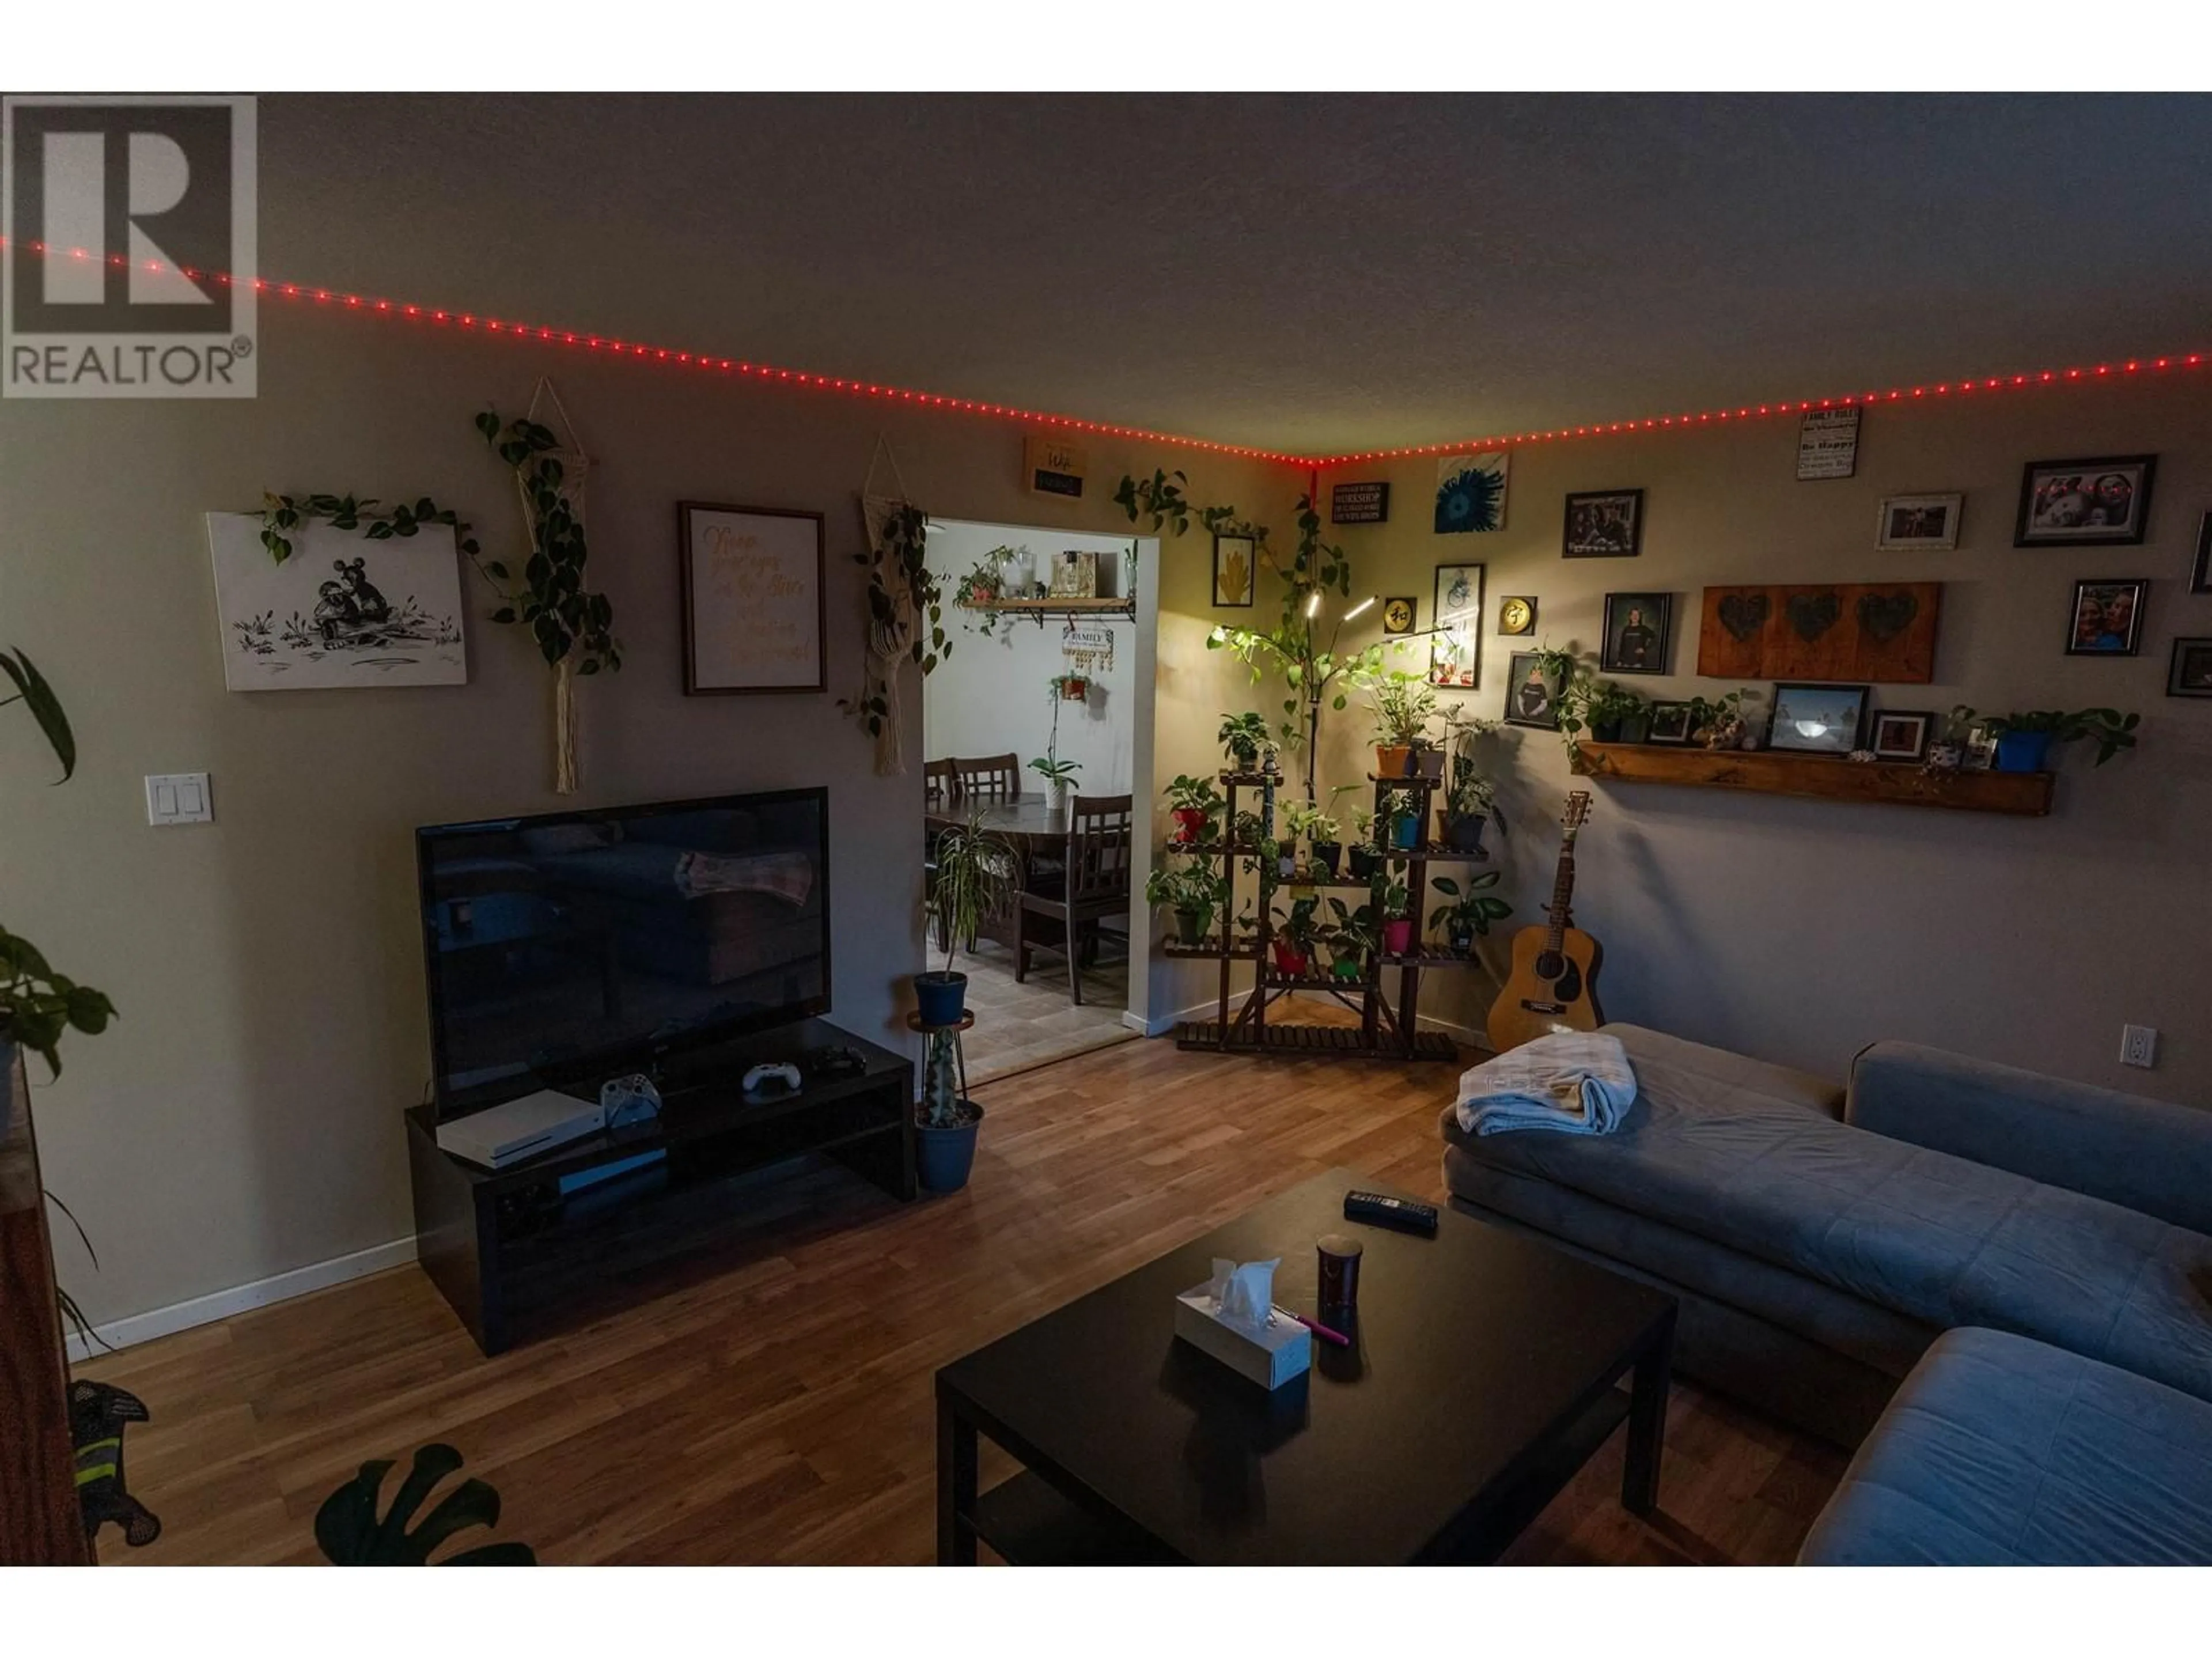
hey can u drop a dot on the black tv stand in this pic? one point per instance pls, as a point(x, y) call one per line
point(512, 1249)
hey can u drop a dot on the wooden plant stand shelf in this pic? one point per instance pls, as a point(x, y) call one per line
point(1817, 777)
point(1293, 1038)
point(1061, 607)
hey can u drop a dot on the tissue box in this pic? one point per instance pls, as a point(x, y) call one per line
point(1270, 1357)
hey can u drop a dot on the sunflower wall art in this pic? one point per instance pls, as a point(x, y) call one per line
point(1471, 493)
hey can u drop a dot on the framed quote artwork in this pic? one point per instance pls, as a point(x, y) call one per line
point(753, 600)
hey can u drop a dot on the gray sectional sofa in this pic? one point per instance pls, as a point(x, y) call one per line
point(1822, 1240)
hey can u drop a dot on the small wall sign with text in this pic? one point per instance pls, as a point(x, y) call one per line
point(1055, 466)
point(1828, 443)
point(1359, 503)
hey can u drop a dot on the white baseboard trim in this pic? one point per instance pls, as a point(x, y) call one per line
point(221, 1304)
point(1163, 1024)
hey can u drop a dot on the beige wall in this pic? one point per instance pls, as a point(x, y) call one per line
point(1802, 930)
point(242, 1119)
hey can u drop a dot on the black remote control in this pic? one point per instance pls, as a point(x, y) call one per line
point(1402, 1213)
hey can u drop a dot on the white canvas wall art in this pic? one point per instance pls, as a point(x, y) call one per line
point(342, 611)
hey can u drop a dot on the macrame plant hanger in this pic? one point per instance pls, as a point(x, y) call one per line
point(890, 638)
point(575, 465)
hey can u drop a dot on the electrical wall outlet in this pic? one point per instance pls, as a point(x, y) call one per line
point(2139, 1046)
point(178, 798)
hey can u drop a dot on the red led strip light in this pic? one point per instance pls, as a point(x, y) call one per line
point(535, 334)
point(1982, 384)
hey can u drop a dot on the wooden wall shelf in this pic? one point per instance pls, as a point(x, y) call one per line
point(1819, 777)
point(1060, 607)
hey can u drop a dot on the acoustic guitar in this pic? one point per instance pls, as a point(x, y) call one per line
point(1553, 984)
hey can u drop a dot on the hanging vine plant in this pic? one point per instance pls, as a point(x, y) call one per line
point(566, 618)
point(282, 512)
point(906, 620)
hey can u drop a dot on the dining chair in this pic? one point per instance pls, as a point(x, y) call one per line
point(1094, 885)
point(989, 777)
point(940, 783)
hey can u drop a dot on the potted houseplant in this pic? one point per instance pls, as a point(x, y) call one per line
point(1194, 803)
point(977, 872)
point(1070, 688)
point(1470, 799)
point(2024, 741)
point(946, 1122)
point(1395, 906)
point(1243, 738)
point(1352, 941)
point(1249, 835)
point(37, 1005)
point(1059, 776)
point(1404, 819)
point(1293, 942)
point(1362, 856)
point(1610, 708)
point(1322, 835)
point(1191, 891)
point(1403, 704)
point(1470, 911)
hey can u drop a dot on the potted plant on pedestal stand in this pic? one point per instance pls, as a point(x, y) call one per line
point(1352, 941)
point(1361, 857)
point(1243, 738)
point(1403, 704)
point(1394, 905)
point(977, 872)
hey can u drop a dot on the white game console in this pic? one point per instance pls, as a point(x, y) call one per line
point(507, 1133)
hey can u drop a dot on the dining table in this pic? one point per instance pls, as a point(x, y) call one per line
point(1029, 824)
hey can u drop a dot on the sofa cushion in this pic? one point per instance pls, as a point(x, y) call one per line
point(1939, 1239)
point(2001, 1451)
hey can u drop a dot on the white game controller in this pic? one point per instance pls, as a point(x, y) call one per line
point(782, 1072)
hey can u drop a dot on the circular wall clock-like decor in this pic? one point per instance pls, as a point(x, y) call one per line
point(1397, 616)
point(1516, 616)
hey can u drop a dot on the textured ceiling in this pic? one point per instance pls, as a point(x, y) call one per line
point(1307, 273)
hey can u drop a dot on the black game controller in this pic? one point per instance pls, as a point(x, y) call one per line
point(839, 1062)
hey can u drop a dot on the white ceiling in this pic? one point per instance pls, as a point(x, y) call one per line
point(1313, 274)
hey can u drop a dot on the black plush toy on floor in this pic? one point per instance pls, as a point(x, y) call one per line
point(97, 1414)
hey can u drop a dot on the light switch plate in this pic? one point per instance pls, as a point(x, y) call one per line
point(178, 798)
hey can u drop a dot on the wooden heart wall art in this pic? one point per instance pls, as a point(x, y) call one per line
point(1879, 634)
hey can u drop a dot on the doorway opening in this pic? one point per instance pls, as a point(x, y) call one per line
point(1039, 725)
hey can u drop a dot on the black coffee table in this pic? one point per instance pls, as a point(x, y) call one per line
point(1483, 1375)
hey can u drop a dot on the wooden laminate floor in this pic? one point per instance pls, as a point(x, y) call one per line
point(773, 1405)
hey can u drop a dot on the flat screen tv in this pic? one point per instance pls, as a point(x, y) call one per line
point(565, 948)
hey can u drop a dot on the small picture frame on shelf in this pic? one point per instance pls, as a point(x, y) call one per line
point(2200, 573)
point(2101, 501)
point(1817, 719)
point(1235, 560)
point(1901, 734)
point(1638, 627)
point(1670, 724)
point(2108, 619)
point(1927, 523)
point(1074, 575)
point(2190, 675)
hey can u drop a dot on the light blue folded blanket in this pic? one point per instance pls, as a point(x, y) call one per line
point(1578, 1082)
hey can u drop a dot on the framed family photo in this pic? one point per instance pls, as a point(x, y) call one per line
point(753, 599)
point(1929, 523)
point(1670, 723)
point(2102, 501)
point(2107, 619)
point(1637, 629)
point(2191, 673)
point(1606, 524)
point(1901, 734)
point(1532, 697)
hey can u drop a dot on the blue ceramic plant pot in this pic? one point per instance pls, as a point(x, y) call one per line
point(2023, 752)
point(943, 1158)
point(1406, 832)
point(939, 998)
